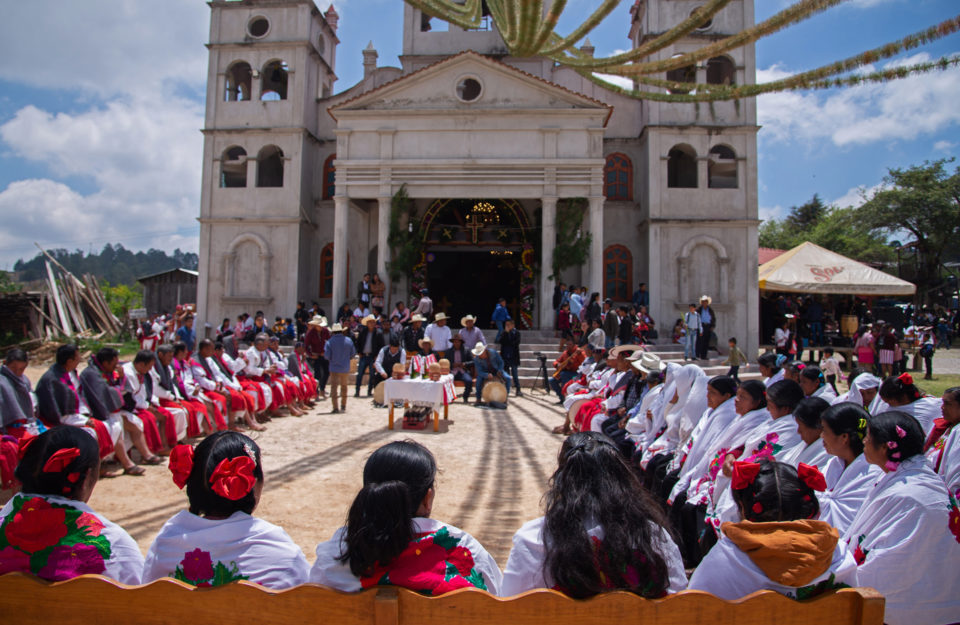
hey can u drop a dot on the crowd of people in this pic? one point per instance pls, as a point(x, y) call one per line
point(779, 484)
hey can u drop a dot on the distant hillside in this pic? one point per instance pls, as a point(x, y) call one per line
point(114, 264)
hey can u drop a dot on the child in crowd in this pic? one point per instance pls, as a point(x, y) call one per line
point(735, 359)
point(217, 540)
point(48, 529)
point(830, 368)
point(391, 539)
point(679, 332)
point(777, 545)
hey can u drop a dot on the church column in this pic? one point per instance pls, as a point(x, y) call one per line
point(383, 230)
point(340, 217)
point(596, 245)
point(547, 243)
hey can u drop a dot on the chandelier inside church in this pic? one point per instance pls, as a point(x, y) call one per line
point(485, 213)
point(527, 28)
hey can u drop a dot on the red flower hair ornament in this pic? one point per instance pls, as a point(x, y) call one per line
point(812, 477)
point(906, 378)
point(60, 459)
point(233, 478)
point(744, 473)
point(181, 464)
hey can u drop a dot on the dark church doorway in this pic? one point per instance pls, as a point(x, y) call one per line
point(470, 282)
point(473, 256)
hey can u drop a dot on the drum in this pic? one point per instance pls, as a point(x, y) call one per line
point(494, 391)
point(848, 325)
point(575, 408)
point(378, 393)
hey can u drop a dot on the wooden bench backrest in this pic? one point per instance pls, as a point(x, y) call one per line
point(92, 599)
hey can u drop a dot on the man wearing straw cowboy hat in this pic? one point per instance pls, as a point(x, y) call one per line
point(439, 333)
point(412, 335)
point(315, 341)
point(369, 343)
point(487, 362)
point(340, 351)
point(470, 333)
point(708, 321)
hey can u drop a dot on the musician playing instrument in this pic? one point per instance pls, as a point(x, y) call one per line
point(565, 367)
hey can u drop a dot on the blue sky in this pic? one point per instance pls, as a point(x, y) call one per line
point(101, 103)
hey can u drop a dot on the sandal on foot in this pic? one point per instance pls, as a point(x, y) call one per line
point(134, 470)
point(153, 461)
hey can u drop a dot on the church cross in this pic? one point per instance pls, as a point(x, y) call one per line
point(474, 224)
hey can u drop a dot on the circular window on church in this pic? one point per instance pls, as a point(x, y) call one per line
point(258, 26)
point(469, 89)
point(705, 25)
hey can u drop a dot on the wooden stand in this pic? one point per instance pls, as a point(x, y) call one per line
point(436, 418)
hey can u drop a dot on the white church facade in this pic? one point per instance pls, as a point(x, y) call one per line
point(298, 180)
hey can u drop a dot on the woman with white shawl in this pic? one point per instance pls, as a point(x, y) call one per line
point(943, 445)
point(769, 441)
point(771, 367)
point(676, 390)
point(218, 540)
point(900, 393)
point(864, 393)
point(906, 536)
point(692, 393)
point(814, 384)
point(810, 449)
point(849, 476)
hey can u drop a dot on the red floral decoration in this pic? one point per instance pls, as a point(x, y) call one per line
point(197, 565)
point(812, 477)
point(181, 464)
point(37, 526)
point(955, 519)
point(743, 474)
point(60, 459)
point(233, 478)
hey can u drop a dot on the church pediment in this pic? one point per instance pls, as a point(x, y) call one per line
point(469, 82)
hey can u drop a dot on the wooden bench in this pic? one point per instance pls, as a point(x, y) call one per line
point(92, 599)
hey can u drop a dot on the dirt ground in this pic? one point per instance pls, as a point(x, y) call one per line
point(494, 466)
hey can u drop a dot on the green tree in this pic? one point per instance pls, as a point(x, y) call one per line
point(573, 245)
point(806, 215)
point(122, 298)
point(921, 204)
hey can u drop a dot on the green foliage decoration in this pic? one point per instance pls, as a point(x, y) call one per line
point(573, 245)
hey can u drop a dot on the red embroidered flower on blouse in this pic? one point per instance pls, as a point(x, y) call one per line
point(69, 561)
point(14, 560)
point(955, 519)
point(197, 565)
point(90, 524)
point(37, 526)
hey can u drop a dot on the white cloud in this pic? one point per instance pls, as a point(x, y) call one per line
point(771, 212)
point(856, 196)
point(944, 146)
point(900, 109)
point(105, 47)
point(145, 161)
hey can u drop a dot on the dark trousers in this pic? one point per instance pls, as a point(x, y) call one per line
point(619, 436)
point(463, 376)
point(511, 368)
point(321, 371)
point(366, 364)
point(703, 341)
point(928, 363)
point(732, 373)
point(832, 381)
point(656, 472)
point(689, 523)
point(557, 383)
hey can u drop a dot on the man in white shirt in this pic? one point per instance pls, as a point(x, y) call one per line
point(691, 322)
point(440, 334)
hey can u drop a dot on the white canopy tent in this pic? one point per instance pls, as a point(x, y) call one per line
point(809, 268)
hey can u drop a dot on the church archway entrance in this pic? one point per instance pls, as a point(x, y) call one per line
point(474, 253)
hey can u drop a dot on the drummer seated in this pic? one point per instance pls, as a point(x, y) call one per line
point(461, 361)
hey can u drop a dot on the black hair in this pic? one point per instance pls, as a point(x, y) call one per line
point(16, 355)
point(813, 374)
point(211, 451)
point(850, 419)
point(768, 360)
point(396, 479)
point(654, 378)
point(733, 340)
point(37, 481)
point(794, 366)
point(809, 409)
point(828, 350)
point(204, 343)
point(395, 340)
point(218, 345)
point(593, 484)
point(954, 392)
point(785, 394)
point(106, 354)
point(166, 348)
point(298, 345)
point(144, 356)
point(724, 384)
point(756, 390)
point(883, 429)
point(179, 347)
point(777, 494)
point(895, 388)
